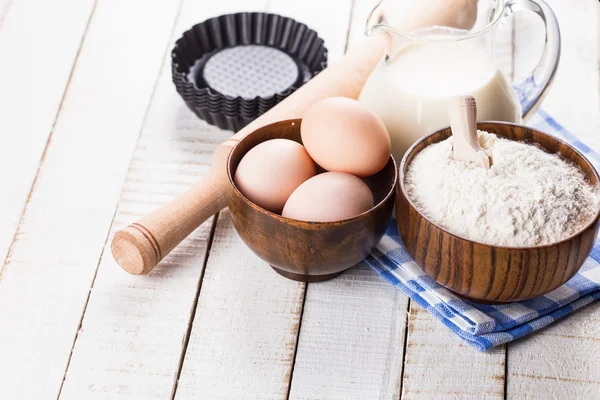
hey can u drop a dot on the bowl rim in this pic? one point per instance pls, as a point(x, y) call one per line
point(579, 232)
point(307, 224)
point(181, 77)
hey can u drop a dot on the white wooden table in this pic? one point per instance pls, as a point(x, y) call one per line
point(93, 135)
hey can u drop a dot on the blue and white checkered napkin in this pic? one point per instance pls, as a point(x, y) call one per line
point(486, 326)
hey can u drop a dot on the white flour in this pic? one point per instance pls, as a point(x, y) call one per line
point(527, 198)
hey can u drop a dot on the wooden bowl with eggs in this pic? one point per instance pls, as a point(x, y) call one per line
point(486, 273)
point(301, 250)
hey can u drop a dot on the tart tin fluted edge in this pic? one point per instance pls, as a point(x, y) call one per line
point(248, 32)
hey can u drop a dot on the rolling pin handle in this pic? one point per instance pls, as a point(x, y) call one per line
point(140, 246)
point(135, 249)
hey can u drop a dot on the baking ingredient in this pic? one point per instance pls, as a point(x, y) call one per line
point(269, 173)
point(341, 135)
point(410, 92)
point(331, 196)
point(527, 198)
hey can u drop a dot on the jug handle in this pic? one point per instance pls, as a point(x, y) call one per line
point(532, 89)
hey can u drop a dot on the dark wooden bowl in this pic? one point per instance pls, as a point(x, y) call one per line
point(487, 273)
point(308, 251)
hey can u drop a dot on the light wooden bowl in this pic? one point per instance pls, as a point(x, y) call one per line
point(308, 251)
point(494, 274)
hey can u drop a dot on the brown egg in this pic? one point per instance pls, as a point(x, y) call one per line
point(269, 173)
point(340, 134)
point(331, 196)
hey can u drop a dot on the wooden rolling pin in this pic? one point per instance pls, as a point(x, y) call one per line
point(141, 245)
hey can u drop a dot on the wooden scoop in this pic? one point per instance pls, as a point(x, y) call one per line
point(141, 245)
point(463, 121)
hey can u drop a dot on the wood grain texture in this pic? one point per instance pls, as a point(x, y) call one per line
point(352, 335)
point(490, 273)
point(437, 362)
point(246, 325)
point(244, 335)
point(134, 332)
point(47, 277)
point(562, 361)
point(244, 332)
point(330, 361)
point(23, 137)
point(351, 343)
point(439, 365)
point(352, 339)
point(308, 251)
point(339, 79)
point(558, 362)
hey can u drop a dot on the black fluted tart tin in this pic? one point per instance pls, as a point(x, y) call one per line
point(231, 69)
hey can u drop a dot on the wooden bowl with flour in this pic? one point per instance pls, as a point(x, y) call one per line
point(486, 273)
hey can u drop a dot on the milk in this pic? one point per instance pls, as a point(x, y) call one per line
point(410, 92)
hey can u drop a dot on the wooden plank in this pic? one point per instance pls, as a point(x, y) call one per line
point(244, 333)
point(559, 362)
point(245, 329)
point(37, 56)
point(438, 364)
point(562, 361)
point(52, 263)
point(352, 339)
point(369, 365)
point(352, 336)
point(134, 331)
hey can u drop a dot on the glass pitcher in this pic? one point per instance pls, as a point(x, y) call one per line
point(439, 49)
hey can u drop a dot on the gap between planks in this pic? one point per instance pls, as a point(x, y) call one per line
point(303, 300)
point(561, 360)
point(49, 139)
point(352, 339)
point(4, 11)
point(350, 24)
point(137, 188)
point(257, 357)
point(408, 305)
point(61, 213)
point(108, 236)
point(460, 371)
point(188, 333)
point(293, 362)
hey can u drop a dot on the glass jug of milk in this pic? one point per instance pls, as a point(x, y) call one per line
point(439, 49)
